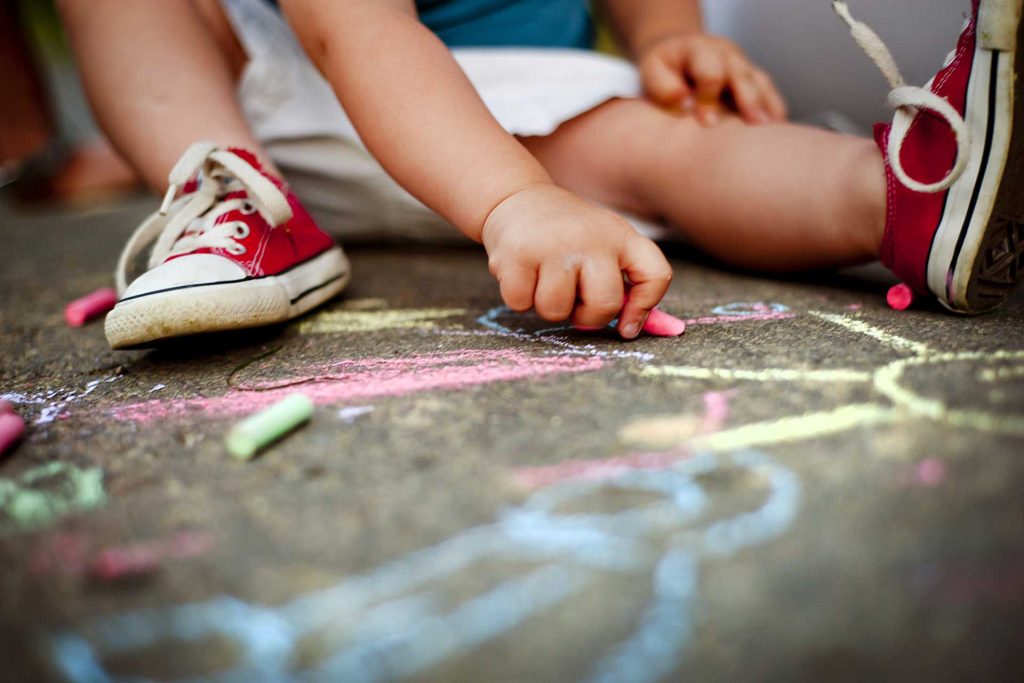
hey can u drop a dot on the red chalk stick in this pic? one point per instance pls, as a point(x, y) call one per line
point(900, 297)
point(12, 428)
point(661, 324)
point(80, 311)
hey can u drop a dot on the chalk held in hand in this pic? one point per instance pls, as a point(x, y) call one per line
point(661, 324)
point(12, 428)
point(259, 430)
point(81, 311)
point(900, 297)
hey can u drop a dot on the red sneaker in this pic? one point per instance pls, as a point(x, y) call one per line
point(236, 250)
point(955, 164)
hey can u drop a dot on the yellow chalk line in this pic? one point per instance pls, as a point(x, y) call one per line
point(887, 382)
point(365, 304)
point(888, 338)
point(762, 375)
point(1000, 374)
point(796, 428)
point(333, 322)
point(800, 427)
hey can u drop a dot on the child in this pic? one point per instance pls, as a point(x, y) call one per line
point(522, 149)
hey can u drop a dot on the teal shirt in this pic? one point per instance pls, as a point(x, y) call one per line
point(508, 23)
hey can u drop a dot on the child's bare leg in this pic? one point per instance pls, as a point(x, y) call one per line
point(160, 76)
point(770, 197)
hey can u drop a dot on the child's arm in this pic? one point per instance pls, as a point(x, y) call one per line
point(419, 115)
point(683, 67)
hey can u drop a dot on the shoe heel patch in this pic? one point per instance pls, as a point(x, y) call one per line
point(997, 24)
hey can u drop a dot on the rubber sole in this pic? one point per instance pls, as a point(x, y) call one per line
point(221, 307)
point(998, 267)
point(976, 258)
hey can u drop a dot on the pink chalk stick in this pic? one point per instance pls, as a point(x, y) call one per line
point(6, 408)
point(661, 324)
point(900, 297)
point(90, 306)
point(12, 428)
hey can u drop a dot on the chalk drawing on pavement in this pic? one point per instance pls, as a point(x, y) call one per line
point(392, 622)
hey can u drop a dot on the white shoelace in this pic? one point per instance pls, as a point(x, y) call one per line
point(908, 101)
point(192, 222)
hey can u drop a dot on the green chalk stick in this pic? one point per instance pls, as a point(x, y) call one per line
point(268, 425)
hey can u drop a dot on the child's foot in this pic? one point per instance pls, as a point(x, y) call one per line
point(955, 164)
point(236, 250)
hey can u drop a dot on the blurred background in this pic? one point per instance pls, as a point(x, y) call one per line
point(809, 51)
point(50, 150)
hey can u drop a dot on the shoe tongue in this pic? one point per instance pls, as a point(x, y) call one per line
point(249, 157)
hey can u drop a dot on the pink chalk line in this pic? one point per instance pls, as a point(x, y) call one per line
point(146, 557)
point(359, 380)
point(716, 410)
point(716, 414)
point(930, 473)
point(72, 555)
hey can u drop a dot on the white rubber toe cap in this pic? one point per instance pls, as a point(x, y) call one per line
point(186, 271)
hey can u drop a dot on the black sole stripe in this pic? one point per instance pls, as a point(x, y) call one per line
point(223, 282)
point(986, 154)
point(318, 287)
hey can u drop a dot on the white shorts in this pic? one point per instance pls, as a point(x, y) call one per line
point(293, 111)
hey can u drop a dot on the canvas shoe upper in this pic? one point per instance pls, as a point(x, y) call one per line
point(955, 180)
point(235, 250)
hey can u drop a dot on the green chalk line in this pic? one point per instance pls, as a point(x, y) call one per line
point(23, 506)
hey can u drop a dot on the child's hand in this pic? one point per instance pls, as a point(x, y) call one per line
point(555, 252)
point(693, 71)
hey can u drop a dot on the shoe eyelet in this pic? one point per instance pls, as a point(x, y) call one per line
point(241, 231)
point(248, 208)
point(237, 249)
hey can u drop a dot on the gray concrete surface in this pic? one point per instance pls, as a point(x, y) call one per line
point(805, 486)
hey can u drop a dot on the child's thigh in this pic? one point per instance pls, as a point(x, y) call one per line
point(609, 153)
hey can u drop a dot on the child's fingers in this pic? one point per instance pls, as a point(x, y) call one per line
point(708, 70)
point(556, 292)
point(600, 291)
point(773, 101)
point(664, 81)
point(747, 95)
point(517, 285)
point(650, 275)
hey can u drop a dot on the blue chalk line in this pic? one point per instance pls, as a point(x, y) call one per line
point(393, 622)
